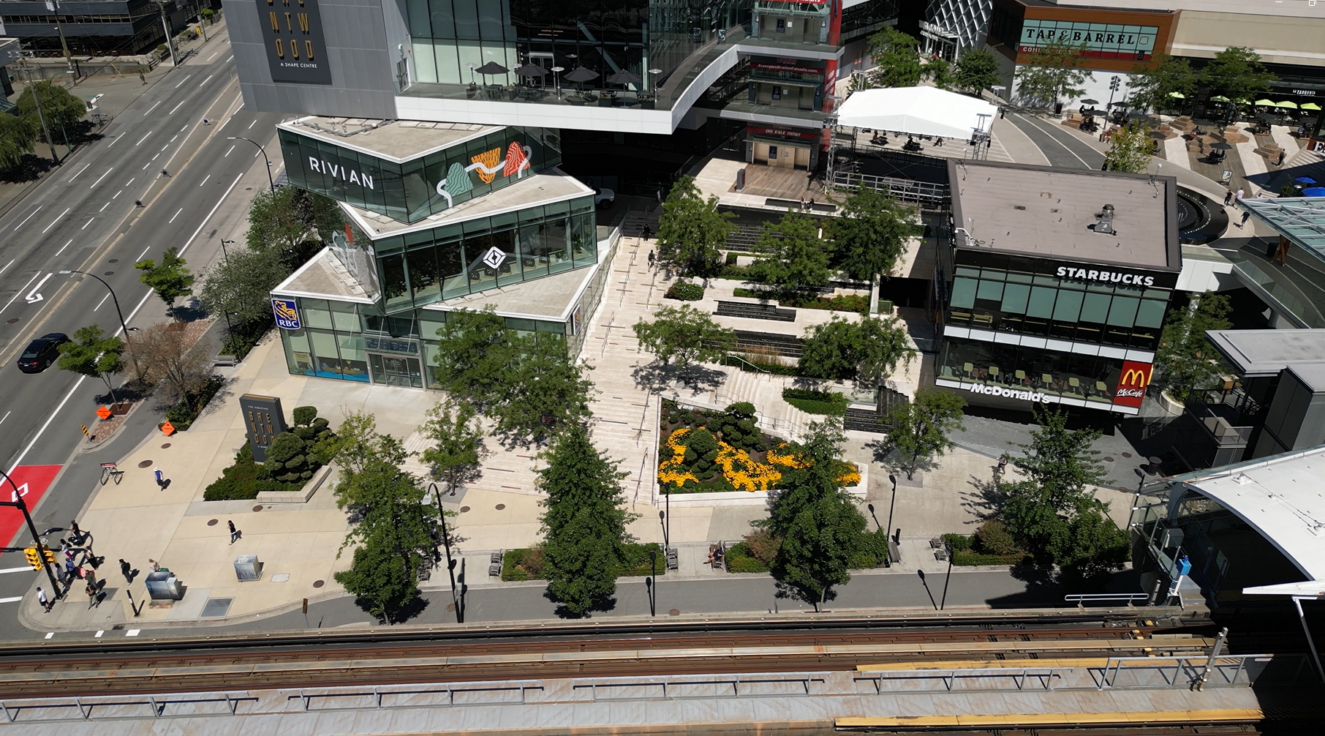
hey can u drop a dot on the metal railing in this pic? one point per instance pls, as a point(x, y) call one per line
point(1081, 599)
point(1017, 677)
point(1242, 670)
point(680, 687)
point(903, 190)
point(470, 693)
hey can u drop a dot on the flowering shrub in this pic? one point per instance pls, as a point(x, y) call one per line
point(743, 473)
point(672, 469)
point(848, 473)
point(738, 470)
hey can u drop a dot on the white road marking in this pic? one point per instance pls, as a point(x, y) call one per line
point(209, 76)
point(66, 245)
point(140, 140)
point(20, 291)
point(182, 81)
point(227, 153)
point(89, 222)
point(56, 220)
point(75, 176)
point(232, 58)
point(35, 296)
point(168, 145)
point(103, 301)
point(50, 634)
point(204, 181)
point(15, 599)
point(103, 176)
point(103, 207)
point(130, 181)
point(12, 569)
point(172, 217)
point(117, 140)
point(29, 217)
point(50, 419)
point(7, 265)
point(130, 632)
point(172, 140)
point(250, 125)
point(117, 194)
point(176, 107)
point(140, 255)
point(213, 56)
point(158, 153)
point(153, 107)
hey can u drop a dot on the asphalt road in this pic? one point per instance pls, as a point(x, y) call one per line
point(84, 218)
point(1062, 148)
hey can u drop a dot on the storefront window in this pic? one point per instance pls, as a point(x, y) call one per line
point(298, 354)
point(353, 358)
point(316, 313)
point(424, 275)
point(1083, 377)
point(394, 285)
point(451, 264)
point(325, 354)
point(481, 275)
point(344, 317)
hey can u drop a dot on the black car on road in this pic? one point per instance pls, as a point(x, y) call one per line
point(42, 352)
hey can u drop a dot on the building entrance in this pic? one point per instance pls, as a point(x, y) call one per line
point(395, 370)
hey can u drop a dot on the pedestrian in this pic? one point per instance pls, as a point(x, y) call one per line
point(127, 570)
point(1237, 198)
point(1228, 197)
point(1002, 464)
point(138, 203)
point(156, 566)
point(205, 121)
point(43, 600)
point(73, 527)
point(69, 566)
point(165, 173)
point(91, 591)
point(1280, 162)
point(91, 577)
point(234, 533)
point(650, 259)
point(160, 478)
point(142, 78)
point(1245, 216)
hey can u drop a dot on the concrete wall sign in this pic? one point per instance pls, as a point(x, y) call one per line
point(296, 45)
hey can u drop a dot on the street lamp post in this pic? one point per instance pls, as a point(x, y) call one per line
point(116, 300)
point(270, 182)
point(36, 100)
point(944, 600)
point(651, 583)
point(59, 28)
point(170, 42)
point(224, 243)
point(891, 505)
point(22, 506)
point(446, 542)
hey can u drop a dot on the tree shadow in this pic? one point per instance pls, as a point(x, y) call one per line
point(887, 456)
point(599, 605)
point(984, 500)
point(658, 378)
point(413, 608)
point(29, 168)
point(790, 591)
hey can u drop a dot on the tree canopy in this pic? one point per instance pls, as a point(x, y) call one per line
point(920, 430)
point(240, 285)
point(584, 522)
point(1186, 361)
point(792, 255)
point(871, 234)
point(691, 230)
point(1053, 72)
point(17, 136)
point(897, 62)
point(1155, 83)
point(867, 351)
point(289, 217)
point(456, 452)
point(94, 354)
point(170, 279)
point(685, 334)
point(59, 108)
point(1129, 149)
point(1238, 74)
point(976, 70)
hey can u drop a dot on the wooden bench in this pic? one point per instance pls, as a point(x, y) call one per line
point(225, 361)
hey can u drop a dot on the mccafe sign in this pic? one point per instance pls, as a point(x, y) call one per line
point(1100, 275)
point(296, 46)
point(1132, 383)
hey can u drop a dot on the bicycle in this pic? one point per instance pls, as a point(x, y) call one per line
point(108, 471)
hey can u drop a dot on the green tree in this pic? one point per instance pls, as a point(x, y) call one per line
point(685, 334)
point(897, 64)
point(691, 230)
point(941, 73)
point(544, 392)
point(1186, 361)
point(976, 70)
point(1155, 83)
point(240, 286)
point(1053, 513)
point(288, 218)
point(792, 254)
point(819, 525)
point(1237, 73)
point(871, 235)
point(867, 351)
point(920, 430)
point(94, 354)
point(17, 136)
point(474, 351)
point(61, 110)
point(1129, 149)
point(1053, 72)
point(169, 279)
point(583, 523)
point(456, 454)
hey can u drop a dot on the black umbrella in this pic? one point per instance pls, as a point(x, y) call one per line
point(1090, 102)
point(492, 67)
point(531, 70)
point(1119, 103)
point(624, 77)
point(1221, 146)
point(580, 74)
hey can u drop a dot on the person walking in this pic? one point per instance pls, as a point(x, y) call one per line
point(234, 533)
point(91, 577)
point(1245, 216)
point(160, 478)
point(1228, 198)
point(43, 599)
point(142, 78)
point(127, 570)
point(650, 259)
point(1237, 198)
point(91, 591)
point(73, 527)
point(1282, 154)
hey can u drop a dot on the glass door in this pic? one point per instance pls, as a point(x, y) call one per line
point(393, 370)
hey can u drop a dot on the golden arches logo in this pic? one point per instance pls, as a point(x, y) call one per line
point(1135, 378)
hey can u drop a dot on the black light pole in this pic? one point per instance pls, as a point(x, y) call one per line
point(891, 505)
point(446, 542)
point(651, 583)
point(116, 300)
point(944, 600)
point(662, 520)
point(22, 506)
point(224, 243)
point(270, 181)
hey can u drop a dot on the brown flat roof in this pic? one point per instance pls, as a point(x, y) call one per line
point(393, 140)
point(1050, 213)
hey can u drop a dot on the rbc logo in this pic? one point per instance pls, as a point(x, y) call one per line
point(287, 317)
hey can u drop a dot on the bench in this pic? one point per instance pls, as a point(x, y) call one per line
point(751, 310)
point(225, 361)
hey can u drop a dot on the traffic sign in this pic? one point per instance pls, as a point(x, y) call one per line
point(103, 412)
point(32, 482)
point(167, 428)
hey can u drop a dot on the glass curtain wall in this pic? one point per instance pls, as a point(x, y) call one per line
point(452, 38)
point(789, 22)
point(1042, 304)
point(1087, 377)
point(454, 260)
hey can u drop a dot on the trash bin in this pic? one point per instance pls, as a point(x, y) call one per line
point(164, 586)
point(247, 567)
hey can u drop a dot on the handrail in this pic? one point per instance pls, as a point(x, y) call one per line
point(752, 365)
point(1081, 598)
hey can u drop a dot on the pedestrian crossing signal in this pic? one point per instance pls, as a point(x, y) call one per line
point(33, 558)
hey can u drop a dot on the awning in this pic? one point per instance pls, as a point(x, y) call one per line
point(916, 111)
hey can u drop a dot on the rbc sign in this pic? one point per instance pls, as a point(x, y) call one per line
point(287, 316)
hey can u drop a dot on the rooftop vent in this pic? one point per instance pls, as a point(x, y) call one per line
point(1105, 224)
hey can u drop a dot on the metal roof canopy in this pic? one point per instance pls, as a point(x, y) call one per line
point(1300, 219)
point(917, 111)
point(1282, 498)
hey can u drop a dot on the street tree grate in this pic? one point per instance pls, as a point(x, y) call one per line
point(216, 607)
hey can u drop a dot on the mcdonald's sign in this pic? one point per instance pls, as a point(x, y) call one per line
point(1132, 383)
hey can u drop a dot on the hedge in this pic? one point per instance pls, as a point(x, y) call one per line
point(244, 480)
point(182, 415)
point(963, 554)
point(816, 402)
point(685, 291)
point(739, 560)
point(636, 563)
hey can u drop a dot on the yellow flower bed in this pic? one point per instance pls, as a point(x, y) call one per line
point(670, 470)
point(743, 473)
point(738, 469)
point(850, 474)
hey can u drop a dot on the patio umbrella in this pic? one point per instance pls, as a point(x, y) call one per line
point(1304, 180)
point(1267, 103)
point(625, 77)
point(530, 70)
point(1119, 103)
point(1220, 98)
point(1313, 192)
point(1286, 105)
point(491, 68)
point(1090, 102)
point(579, 75)
point(1177, 95)
point(1221, 146)
point(1309, 106)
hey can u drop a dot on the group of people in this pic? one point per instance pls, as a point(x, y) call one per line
point(911, 144)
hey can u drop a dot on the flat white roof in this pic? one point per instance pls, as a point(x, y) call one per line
point(1283, 498)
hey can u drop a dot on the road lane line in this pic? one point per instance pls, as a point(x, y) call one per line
point(204, 181)
point(150, 109)
point(182, 81)
point(20, 292)
point(140, 140)
point(50, 419)
point(103, 207)
point(172, 217)
point(7, 265)
point(250, 125)
point(56, 220)
point(89, 222)
point(209, 76)
point(140, 255)
point(130, 182)
point(2, 421)
point(75, 176)
point(176, 107)
point(103, 176)
point(232, 58)
point(29, 217)
point(117, 140)
point(158, 153)
point(117, 195)
point(172, 140)
point(227, 153)
point(103, 301)
point(66, 245)
point(216, 207)
point(15, 599)
point(213, 56)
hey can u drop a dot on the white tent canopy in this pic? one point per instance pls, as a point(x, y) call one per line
point(916, 111)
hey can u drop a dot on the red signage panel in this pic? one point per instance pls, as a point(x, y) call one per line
point(1132, 383)
point(32, 482)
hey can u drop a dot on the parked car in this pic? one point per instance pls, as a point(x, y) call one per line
point(42, 352)
point(603, 198)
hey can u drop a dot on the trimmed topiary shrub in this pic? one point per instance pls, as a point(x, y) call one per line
point(685, 291)
point(304, 415)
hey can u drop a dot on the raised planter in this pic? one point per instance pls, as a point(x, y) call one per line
point(756, 498)
point(1170, 404)
point(300, 496)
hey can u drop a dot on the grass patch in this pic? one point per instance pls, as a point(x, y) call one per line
point(816, 402)
point(969, 551)
point(841, 303)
